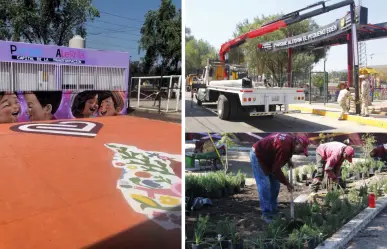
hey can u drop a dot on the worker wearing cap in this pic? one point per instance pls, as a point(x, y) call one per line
point(329, 157)
point(267, 157)
point(365, 95)
point(380, 152)
point(342, 99)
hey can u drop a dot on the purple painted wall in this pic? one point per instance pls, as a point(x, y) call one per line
point(50, 105)
point(19, 51)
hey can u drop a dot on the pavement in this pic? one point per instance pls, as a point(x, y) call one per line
point(204, 119)
point(332, 111)
point(148, 104)
point(374, 235)
point(89, 184)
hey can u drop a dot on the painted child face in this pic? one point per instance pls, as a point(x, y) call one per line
point(35, 110)
point(90, 106)
point(9, 108)
point(107, 108)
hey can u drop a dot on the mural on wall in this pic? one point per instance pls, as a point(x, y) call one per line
point(150, 182)
point(52, 105)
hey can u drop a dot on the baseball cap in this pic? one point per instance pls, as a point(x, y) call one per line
point(350, 153)
point(305, 142)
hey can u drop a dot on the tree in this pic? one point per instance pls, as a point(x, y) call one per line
point(275, 63)
point(45, 21)
point(161, 39)
point(196, 53)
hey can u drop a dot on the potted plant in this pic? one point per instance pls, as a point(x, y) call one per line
point(229, 184)
point(200, 230)
point(297, 175)
point(304, 173)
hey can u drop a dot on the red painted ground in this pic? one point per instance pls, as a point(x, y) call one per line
point(60, 192)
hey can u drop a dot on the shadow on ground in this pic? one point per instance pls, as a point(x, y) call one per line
point(278, 123)
point(141, 236)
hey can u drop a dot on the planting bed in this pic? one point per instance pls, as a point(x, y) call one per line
point(238, 217)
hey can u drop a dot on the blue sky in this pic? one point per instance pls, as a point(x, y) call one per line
point(215, 21)
point(103, 34)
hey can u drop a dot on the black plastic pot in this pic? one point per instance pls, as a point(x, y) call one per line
point(225, 244)
point(231, 190)
point(304, 177)
point(239, 245)
point(237, 189)
point(225, 192)
point(313, 243)
point(217, 194)
point(243, 183)
point(200, 246)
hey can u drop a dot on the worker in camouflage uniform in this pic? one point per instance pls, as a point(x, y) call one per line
point(365, 95)
point(342, 99)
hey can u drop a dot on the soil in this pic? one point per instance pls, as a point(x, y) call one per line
point(242, 208)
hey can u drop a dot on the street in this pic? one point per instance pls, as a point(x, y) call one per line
point(204, 119)
point(373, 236)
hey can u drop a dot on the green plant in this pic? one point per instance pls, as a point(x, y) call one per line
point(285, 171)
point(302, 210)
point(275, 231)
point(368, 144)
point(336, 206)
point(331, 197)
point(200, 228)
point(297, 172)
point(344, 173)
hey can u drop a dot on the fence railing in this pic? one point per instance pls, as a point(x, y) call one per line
point(18, 76)
point(154, 93)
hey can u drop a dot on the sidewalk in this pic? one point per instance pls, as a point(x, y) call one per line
point(333, 110)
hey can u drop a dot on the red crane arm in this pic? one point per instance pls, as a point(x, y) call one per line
point(225, 48)
point(279, 23)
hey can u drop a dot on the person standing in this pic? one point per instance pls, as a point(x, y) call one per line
point(267, 157)
point(365, 95)
point(329, 157)
point(342, 99)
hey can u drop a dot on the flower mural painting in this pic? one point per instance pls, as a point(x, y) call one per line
point(149, 183)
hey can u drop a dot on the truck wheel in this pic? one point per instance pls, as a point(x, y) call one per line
point(235, 107)
point(188, 89)
point(223, 107)
point(198, 101)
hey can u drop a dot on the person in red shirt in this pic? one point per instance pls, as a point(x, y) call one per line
point(267, 157)
point(329, 157)
point(380, 152)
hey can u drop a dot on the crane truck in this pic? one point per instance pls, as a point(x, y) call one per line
point(235, 93)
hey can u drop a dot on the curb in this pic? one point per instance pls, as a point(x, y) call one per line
point(332, 114)
point(174, 117)
point(350, 230)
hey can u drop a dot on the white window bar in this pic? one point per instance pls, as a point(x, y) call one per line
point(5, 76)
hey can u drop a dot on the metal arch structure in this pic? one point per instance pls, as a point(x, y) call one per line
point(346, 30)
point(353, 24)
point(281, 22)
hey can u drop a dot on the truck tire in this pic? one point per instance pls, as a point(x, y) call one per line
point(223, 107)
point(198, 101)
point(188, 89)
point(235, 107)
